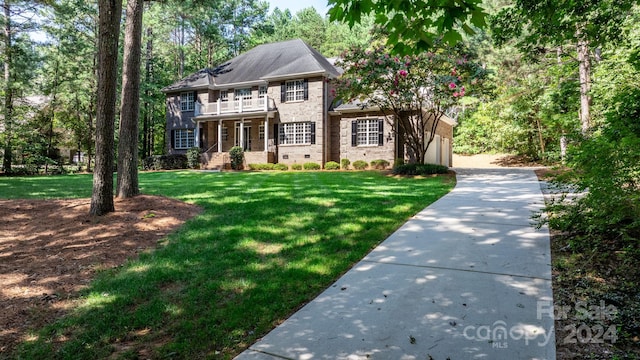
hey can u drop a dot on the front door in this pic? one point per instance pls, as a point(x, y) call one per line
point(246, 137)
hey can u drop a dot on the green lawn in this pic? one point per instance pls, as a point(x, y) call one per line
point(265, 244)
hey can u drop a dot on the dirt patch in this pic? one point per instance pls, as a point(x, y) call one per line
point(51, 249)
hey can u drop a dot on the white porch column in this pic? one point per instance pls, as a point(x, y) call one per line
point(241, 142)
point(219, 135)
point(266, 133)
point(196, 134)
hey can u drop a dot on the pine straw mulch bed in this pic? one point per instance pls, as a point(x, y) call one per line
point(51, 249)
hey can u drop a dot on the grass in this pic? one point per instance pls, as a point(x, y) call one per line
point(266, 244)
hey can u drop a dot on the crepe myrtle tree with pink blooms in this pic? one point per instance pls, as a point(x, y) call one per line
point(414, 92)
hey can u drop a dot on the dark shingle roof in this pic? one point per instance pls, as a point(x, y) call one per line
point(264, 62)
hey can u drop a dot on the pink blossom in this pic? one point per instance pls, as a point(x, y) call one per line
point(403, 73)
point(453, 72)
point(452, 86)
point(455, 94)
point(379, 62)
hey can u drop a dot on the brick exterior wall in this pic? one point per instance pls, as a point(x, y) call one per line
point(341, 134)
point(342, 147)
point(302, 111)
point(178, 119)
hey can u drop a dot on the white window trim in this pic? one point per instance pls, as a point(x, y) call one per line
point(187, 101)
point(261, 132)
point(294, 90)
point(295, 133)
point(184, 139)
point(370, 132)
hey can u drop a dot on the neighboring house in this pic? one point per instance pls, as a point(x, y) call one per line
point(275, 101)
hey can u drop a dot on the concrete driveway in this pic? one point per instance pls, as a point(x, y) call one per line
point(469, 277)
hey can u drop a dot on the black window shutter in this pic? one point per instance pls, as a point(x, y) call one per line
point(313, 133)
point(173, 139)
point(380, 132)
point(354, 133)
point(283, 92)
point(306, 89)
point(195, 97)
point(276, 134)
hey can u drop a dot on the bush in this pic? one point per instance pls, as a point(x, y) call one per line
point(237, 157)
point(296, 167)
point(193, 158)
point(606, 167)
point(332, 165)
point(165, 162)
point(360, 165)
point(261, 166)
point(311, 166)
point(420, 169)
point(345, 164)
point(379, 164)
point(398, 161)
point(280, 167)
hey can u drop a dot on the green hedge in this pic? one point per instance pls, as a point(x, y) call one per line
point(420, 169)
point(280, 167)
point(261, 166)
point(345, 164)
point(237, 157)
point(332, 165)
point(360, 165)
point(165, 162)
point(193, 158)
point(296, 166)
point(311, 166)
point(379, 164)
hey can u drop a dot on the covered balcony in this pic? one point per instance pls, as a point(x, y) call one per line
point(238, 106)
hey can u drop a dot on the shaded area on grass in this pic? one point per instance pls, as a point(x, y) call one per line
point(265, 244)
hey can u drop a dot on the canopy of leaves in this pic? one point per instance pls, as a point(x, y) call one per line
point(414, 25)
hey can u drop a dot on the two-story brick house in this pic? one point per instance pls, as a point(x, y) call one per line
point(275, 101)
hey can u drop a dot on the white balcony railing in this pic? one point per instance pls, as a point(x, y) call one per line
point(238, 106)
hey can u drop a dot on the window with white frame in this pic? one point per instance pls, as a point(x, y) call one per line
point(184, 138)
point(262, 90)
point(295, 133)
point(261, 131)
point(295, 90)
point(225, 133)
point(224, 95)
point(244, 93)
point(368, 131)
point(187, 101)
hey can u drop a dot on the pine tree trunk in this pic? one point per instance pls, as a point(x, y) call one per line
point(108, 33)
point(147, 94)
point(8, 90)
point(127, 185)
